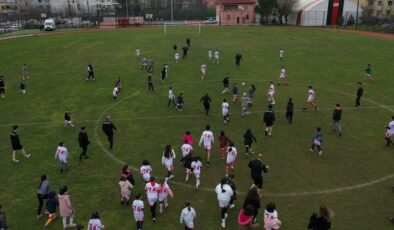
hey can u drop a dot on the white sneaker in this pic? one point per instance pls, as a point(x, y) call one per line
point(320, 153)
point(197, 185)
point(28, 155)
point(16, 161)
point(171, 176)
point(225, 215)
point(232, 206)
point(311, 150)
point(161, 211)
point(223, 224)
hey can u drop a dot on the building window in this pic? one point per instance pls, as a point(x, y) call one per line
point(230, 8)
point(380, 3)
point(370, 3)
point(247, 17)
point(390, 3)
point(388, 12)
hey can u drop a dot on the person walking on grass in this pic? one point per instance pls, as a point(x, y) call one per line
point(226, 83)
point(2, 87)
point(188, 42)
point(368, 73)
point(289, 110)
point(90, 73)
point(125, 190)
point(359, 94)
point(138, 211)
point(95, 222)
point(248, 141)
point(224, 141)
point(235, 92)
point(390, 132)
point(168, 161)
point(337, 117)
point(51, 205)
point(245, 102)
point(62, 156)
point(66, 208)
point(109, 128)
point(84, 142)
point(224, 194)
point(246, 218)
point(321, 220)
point(126, 172)
point(150, 82)
point(3, 219)
point(171, 97)
point(25, 71)
point(22, 87)
point(188, 215)
point(67, 118)
point(317, 140)
point(269, 119)
point(180, 102)
point(251, 92)
point(238, 59)
point(206, 101)
point(281, 54)
point(42, 194)
point(206, 141)
point(16, 144)
point(253, 199)
point(256, 168)
point(231, 158)
point(184, 52)
point(225, 111)
point(234, 197)
point(164, 192)
point(152, 194)
point(271, 221)
point(311, 99)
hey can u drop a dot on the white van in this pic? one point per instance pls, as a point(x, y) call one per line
point(49, 24)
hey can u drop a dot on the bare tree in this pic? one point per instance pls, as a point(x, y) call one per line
point(285, 7)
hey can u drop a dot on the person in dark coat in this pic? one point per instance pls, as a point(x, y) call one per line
point(109, 128)
point(206, 101)
point(42, 194)
point(269, 119)
point(188, 42)
point(150, 82)
point(2, 87)
point(90, 72)
point(289, 111)
point(16, 144)
point(51, 205)
point(359, 94)
point(175, 47)
point(179, 102)
point(321, 220)
point(83, 140)
point(3, 219)
point(256, 168)
point(184, 52)
point(248, 141)
point(337, 117)
point(238, 58)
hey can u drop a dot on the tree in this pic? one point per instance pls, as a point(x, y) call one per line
point(266, 7)
point(285, 7)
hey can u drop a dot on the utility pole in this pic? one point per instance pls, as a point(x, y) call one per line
point(358, 3)
point(172, 13)
point(127, 8)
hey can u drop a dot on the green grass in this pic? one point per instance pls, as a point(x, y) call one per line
point(330, 61)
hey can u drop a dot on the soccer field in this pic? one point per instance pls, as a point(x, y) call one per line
point(353, 177)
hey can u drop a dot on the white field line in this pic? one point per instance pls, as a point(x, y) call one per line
point(72, 43)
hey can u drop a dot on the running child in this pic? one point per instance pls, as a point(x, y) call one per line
point(22, 87)
point(188, 137)
point(186, 148)
point(188, 215)
point(282, 75)
point(317, 141)
point(187, 163)
point(248, 141)
point(62, 156)
point(119, 84)
point(2, 87)
point(67, 118)
point(223, 142)
point(166, 68)
point(176, 55)
point(179, 102)
point(115, 92)
point(224, 194)
point(225, 111)
point(164, 192)
point(368, 73)
point(231, 157)
point(145, 170)
point(311, 98)
point(168, 161)
point(271, 93)
point(196, 168)
point(95, 222)
point(210, 55)
point(216, 57)
point(51, 205)
point(163, 74)
point(281, 54)
point(90, 73)
point(208, 140)
point(144, 64)
point(171, 97)
point(138, 211)
point(389, 132)
point(25, 71)
point(203, 69)
point(245, 102)
point(226, 83)
point(125, 190)
point(152, 194)
point(235, 92)
point(137, 53)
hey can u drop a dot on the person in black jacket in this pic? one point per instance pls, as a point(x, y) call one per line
point(188, 42)
point(2, 87)
point(187, 163)
point(83, 140)
point(16, 144)
point(248, 140)
point(90, 73)
point(256, 168)
point(321, 220)
point(290, 110)
point(206, 101)
point(51, 205)
point(359, 94)
point(337, 117)
point(109, 128)
point(184, 52)
point(269, 119)
point(238, 58)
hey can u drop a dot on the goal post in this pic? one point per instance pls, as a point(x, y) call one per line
point(168, 26)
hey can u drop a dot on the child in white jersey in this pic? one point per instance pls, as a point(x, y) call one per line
point(208, 140)
point(95, 222)
point(145, 170)
point(164, 192)
point(168, 160)
point(196, 168)
point(231, 157)
point(138, 211)
point(152, 194)
point(188, 215)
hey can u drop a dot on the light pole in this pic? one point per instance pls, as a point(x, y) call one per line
point(172, 13)
point(127, 8)
point(358, 3)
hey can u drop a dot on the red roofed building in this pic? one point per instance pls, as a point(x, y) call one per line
point(235, 12)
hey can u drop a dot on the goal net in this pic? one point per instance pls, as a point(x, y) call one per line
point(182, 27)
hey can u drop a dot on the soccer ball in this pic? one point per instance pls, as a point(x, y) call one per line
point(243, 83)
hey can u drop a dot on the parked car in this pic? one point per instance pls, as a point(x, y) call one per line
point(210, 21)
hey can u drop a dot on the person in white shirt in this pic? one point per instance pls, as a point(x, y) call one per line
point(224, 193)
point(216, 57)
point(186, 148)
point(95, 222)
point(311, 98)
point(231, 157)
point(188, 215)
point(281, 54)
point(210, 54)
point(115, 92)
point(271, 221)
point(207, 139)
point(203, 69)
point(171, 97)
point(282, 75)
point(389, 132)
point(168, 161)
point(152, 193)
point(225, 111)
point(271, 93)
point(176, 57)
point(145, 170)
point(138, 53)
point(62, 156)
point(164, 192)
point(196, 168)
point(138, 211)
